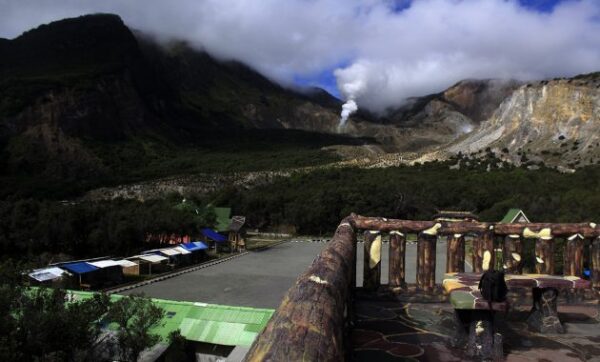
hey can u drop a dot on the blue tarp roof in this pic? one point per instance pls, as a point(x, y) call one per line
point(201, 245)
point(211, 234)
point(78, 267)
point(195, 246)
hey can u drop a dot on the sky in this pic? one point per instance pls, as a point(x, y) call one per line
point(376, 53)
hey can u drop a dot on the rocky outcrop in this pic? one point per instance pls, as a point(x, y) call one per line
point(425, 123)
point(556, 122)
point(478, 99)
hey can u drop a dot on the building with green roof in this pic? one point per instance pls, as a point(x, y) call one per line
point(204, 323)
point(515, 216)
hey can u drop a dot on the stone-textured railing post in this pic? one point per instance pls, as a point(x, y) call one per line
point(573, 256)
point(595, 256)
point(544, 255)
point(512, 254)
point(481, 243)
point(426, 244)
point(455, 254)
point(372, 260)
point(397, 259)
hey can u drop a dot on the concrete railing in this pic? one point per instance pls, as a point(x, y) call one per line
point(312, 320)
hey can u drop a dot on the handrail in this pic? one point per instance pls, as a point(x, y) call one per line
point(587, 230)
point(309, 324)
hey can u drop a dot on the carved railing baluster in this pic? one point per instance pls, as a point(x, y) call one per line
point(455, 254)
point(482, 243)
point(595, 257)
point(544, 255)
point(512, 252)
point(573, 256)
point(397, 259)
point(426, 244)
point(372, 260)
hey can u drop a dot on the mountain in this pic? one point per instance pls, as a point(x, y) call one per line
point(86, 102)
point(556, 122)
point(70, 82)
point(88, 99)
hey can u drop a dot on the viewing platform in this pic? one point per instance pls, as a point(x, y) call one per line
point(327, 316)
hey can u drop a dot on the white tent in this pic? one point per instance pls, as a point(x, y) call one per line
point(104, 263)
point(169, 251)
point(126, 263)
point(182, 250)
point(42, 275)
point(152, 258)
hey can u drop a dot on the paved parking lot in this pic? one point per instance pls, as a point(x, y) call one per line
point(258, 279)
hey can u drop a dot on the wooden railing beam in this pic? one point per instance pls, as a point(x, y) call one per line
point(587, 230)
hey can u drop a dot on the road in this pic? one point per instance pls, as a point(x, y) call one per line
point(260, 279)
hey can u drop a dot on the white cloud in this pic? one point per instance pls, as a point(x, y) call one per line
point(391, 56)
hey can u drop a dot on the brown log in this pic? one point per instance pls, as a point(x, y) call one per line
point(588, 230)
point(383, 224)
point(426, 261)
point(372, 260)
point(573, 256)
point(309, 323)
point(455, 254)
point(544, 256)
point(464, 227)
point(595, 256)
point(397, 259)
point(585, 229)
point(481, 243)
point(512, 255)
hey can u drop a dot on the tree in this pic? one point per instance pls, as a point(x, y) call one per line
point(177, 347)
point(51, 327)
point(42, 324)
point(135, 316)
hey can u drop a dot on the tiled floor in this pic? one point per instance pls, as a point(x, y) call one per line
point(387, 329)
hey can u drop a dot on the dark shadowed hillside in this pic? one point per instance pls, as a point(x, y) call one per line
point(84, 100)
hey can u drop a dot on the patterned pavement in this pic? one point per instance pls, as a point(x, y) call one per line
point(389, 329)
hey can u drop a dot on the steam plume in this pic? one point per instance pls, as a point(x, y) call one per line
point(347, 109)
point(352, 84)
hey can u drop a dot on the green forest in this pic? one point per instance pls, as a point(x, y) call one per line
point(312, 203)
point(315, 202)
point(41, 231)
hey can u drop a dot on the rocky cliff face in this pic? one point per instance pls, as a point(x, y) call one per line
point(556, 121)
point(425, 123)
